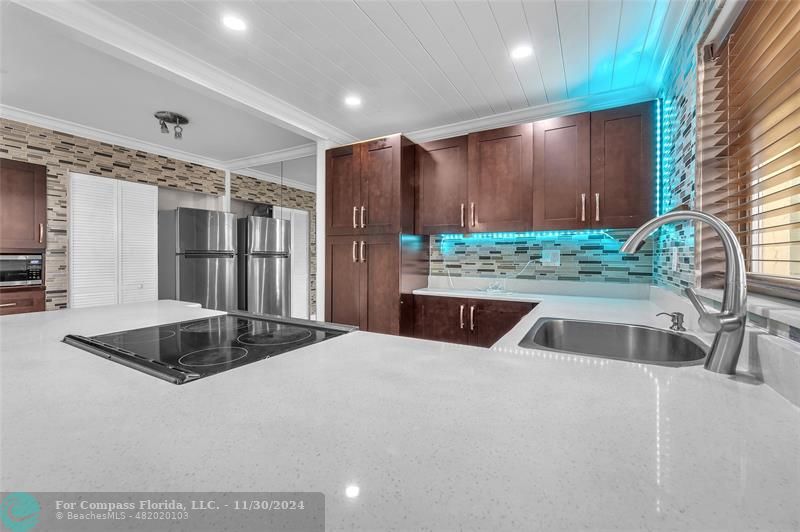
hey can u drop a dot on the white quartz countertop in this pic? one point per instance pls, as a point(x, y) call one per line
point(436, 436)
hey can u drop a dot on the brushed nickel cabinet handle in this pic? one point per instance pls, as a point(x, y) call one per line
point(472, 213)
point(41, 233)
point(355, 213)
point(461, 316)
point(363, 213)
point(472, 317)
point(14, 305)
point(597, 205)
point(355, 258)
point(462, 218)
point(363, 251)
point(583, 207)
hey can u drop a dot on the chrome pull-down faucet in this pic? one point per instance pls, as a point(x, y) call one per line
point(729, 323)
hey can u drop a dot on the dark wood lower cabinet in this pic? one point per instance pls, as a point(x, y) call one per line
point(342, 280)
point(441, 318)
point(369, 280)
point(380, 278)
point(479, 322)
point(19, 301)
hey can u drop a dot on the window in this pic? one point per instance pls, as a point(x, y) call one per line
point(749, 146)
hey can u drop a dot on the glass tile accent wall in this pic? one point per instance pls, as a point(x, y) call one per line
point(679, 147)
point(583, 257)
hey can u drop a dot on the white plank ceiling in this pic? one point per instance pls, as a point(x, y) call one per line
point(419, 64)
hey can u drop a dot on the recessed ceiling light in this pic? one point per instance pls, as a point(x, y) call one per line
point(520, 52)
point(352, 491)
point(233, 22)
point(352, 101)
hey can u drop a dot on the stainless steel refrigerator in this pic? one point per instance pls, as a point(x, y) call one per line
point(197, 257)
point(265, 278)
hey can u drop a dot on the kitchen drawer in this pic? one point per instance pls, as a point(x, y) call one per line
point(21, 301)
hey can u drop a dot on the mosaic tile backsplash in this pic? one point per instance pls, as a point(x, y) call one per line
point(679, 140)
point(583, 257)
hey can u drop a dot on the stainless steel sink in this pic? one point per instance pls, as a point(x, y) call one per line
point(634, 343)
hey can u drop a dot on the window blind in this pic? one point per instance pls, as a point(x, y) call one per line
point(749, 146)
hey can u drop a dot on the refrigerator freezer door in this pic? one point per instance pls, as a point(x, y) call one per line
point(206, 231)
point(207, 279)
point(269, 284)
point(268, 235)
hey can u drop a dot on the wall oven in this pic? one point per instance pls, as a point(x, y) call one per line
point(21, 270)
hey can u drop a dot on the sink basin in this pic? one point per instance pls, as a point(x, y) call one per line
point(634, 343)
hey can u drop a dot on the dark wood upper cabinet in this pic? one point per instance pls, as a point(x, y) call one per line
point(622, 166)
point(500, 179)
point(23, 206)
point(441, 169)
point(342, 189)
point(443, 319)
point(370, 187)
point(561, 179)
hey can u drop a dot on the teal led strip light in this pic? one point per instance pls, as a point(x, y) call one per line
point(527, 234)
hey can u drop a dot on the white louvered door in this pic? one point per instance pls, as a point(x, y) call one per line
point(93, 241)
point(138, 255)
point(299, 227)
point(113, 241)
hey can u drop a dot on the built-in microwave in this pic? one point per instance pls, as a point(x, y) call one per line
point(21, 270)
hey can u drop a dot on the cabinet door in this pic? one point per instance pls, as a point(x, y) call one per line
point(561, 173)
point(23, 206)
point(490, 320)
point(441, 318)
point(342, 190)
point(622, 166)
point(380, 283)
point(501, 179)
point(342, 281)
point(379, 209)
point(441, 168)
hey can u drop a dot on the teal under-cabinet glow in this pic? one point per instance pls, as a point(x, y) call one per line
point(527, 234)
point(658, 157)
point(665, 170)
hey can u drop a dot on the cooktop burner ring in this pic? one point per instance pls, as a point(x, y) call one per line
point(207, 359)
point(267, 338)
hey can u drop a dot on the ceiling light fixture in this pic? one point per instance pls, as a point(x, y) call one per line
point(234, 23)
point(169, 117)
point(521, 52)
point(352, 101)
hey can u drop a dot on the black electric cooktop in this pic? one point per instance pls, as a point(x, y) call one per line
point(190, 350)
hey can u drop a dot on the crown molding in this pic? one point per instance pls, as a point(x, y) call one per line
point(287, 154)
point(265, 176)
point(672, 43)
point(72, 128)
point(109, 29)
point(537, 112)
point(65, 126)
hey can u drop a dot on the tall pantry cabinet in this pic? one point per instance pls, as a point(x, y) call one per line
point(372, 260)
